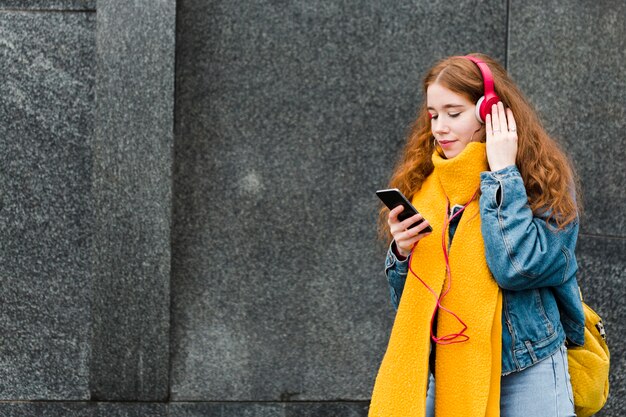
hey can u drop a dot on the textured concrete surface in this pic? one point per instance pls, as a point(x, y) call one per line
point(48, 5)
point(215, 409)
point(47, 77)
point(572, 67)
point(132, 194)
point(83, 409)
point(602, 276)
point(289, 116)
point(299, 409)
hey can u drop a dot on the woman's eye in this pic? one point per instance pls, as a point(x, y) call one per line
point(454, 114)
point(433, 116)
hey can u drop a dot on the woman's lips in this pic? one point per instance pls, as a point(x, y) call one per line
point(446, 143)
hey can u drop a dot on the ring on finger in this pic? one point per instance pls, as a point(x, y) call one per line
point(513, 130)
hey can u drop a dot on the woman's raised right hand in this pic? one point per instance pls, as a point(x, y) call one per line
point(406, 238)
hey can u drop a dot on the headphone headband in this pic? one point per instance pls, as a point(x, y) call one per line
point(486, 73)
point(489, 98)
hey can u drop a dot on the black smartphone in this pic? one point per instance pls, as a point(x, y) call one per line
point(393, 198)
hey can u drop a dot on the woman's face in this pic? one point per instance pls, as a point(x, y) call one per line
point(453, 120)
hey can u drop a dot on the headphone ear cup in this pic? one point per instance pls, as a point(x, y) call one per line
point(479, 110)
point(487, 103)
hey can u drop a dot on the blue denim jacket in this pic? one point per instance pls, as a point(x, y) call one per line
point(532, 262)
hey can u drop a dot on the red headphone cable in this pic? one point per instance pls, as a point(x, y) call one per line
point(453, 337)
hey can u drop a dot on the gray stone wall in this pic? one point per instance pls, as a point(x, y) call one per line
point(132, 155)
point(289, 117)
point(47, 76)
point(580, 92)
point(186, 190)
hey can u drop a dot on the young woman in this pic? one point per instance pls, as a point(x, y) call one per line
point(487, 300)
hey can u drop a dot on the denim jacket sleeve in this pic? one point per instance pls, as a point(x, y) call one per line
point(523, 251)
point(396, 271)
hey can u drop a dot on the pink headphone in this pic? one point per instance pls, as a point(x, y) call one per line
point(489, 98)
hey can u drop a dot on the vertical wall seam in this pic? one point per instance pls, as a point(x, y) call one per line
point(508, 34)
point(175, 132)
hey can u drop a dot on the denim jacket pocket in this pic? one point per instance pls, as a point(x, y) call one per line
point(530, 317)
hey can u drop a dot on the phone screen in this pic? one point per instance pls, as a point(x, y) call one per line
point(393, 198)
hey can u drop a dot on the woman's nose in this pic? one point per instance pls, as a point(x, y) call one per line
point(439, 127)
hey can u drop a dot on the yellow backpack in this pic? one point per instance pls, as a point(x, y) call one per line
point(589, 367)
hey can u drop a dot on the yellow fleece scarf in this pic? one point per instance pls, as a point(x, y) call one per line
point(468, 373)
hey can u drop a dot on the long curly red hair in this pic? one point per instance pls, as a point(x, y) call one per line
point(548, 175)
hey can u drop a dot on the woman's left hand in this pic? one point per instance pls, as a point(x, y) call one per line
point(501, 133)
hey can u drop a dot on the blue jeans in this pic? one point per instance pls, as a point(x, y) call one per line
point(543, 389)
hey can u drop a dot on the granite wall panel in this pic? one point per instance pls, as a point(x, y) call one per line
point(570, 61)
point(269, 409)
point(82, 409)
point(48, 5)
point(132, 193)
point(47, 79)
point(181, 409)
point(602, 277)
point(289, 115)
